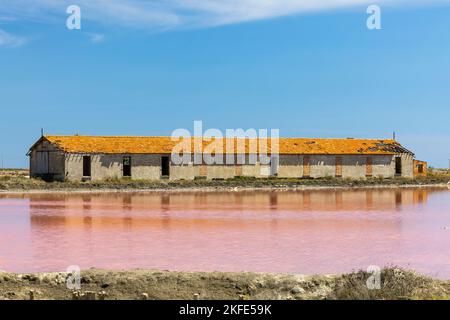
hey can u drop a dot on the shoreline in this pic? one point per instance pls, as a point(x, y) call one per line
point(219, 189)
point(141, 284)
point(36, 187)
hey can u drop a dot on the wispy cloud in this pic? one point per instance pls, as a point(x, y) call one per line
point(178, 13)
point(96, 37)
point(9, 40)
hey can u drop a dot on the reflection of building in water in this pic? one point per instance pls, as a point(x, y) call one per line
point(115, 209)
point(89, 216)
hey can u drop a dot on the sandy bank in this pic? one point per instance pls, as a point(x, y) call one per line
point(22, 185)
point(152, 284)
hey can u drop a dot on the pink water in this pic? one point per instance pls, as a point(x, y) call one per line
point(305, 232)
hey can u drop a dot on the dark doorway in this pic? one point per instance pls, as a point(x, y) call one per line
point(274, 162)
point(338, 169)
point(306, 166)
point(420, 168)
point(165, 166)
point(369, 167)
point(86, 166)
point(127, 166)
point(398, 166)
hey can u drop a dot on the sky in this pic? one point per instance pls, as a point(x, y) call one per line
point(306, 67)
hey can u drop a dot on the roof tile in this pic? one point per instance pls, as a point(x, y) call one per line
point(158, 145)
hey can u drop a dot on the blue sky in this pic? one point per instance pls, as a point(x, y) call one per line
point(309, 68)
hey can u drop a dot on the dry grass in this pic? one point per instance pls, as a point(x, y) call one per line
point(396, 284)
point(19, 182)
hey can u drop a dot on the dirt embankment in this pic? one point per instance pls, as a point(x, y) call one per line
point(23, 184)
point(145, 284)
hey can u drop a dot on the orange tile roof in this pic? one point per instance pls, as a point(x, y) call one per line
point(158, 145)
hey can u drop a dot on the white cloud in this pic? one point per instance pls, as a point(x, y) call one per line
point(178, 13)
point(96, 37)
point(9, 40)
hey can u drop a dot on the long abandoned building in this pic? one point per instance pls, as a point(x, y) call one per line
point(81, 158)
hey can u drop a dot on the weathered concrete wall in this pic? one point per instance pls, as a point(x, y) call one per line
point(258, 170)
point(356, 166)
point(407, 166)
point(184, 172)
point(383, 166)
point(220, 170)
point(47, 161)
point(353, 166)
point(149, 167)
point(322, 166)
point(106, 166)
point(241, 167)
point(290, 166)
